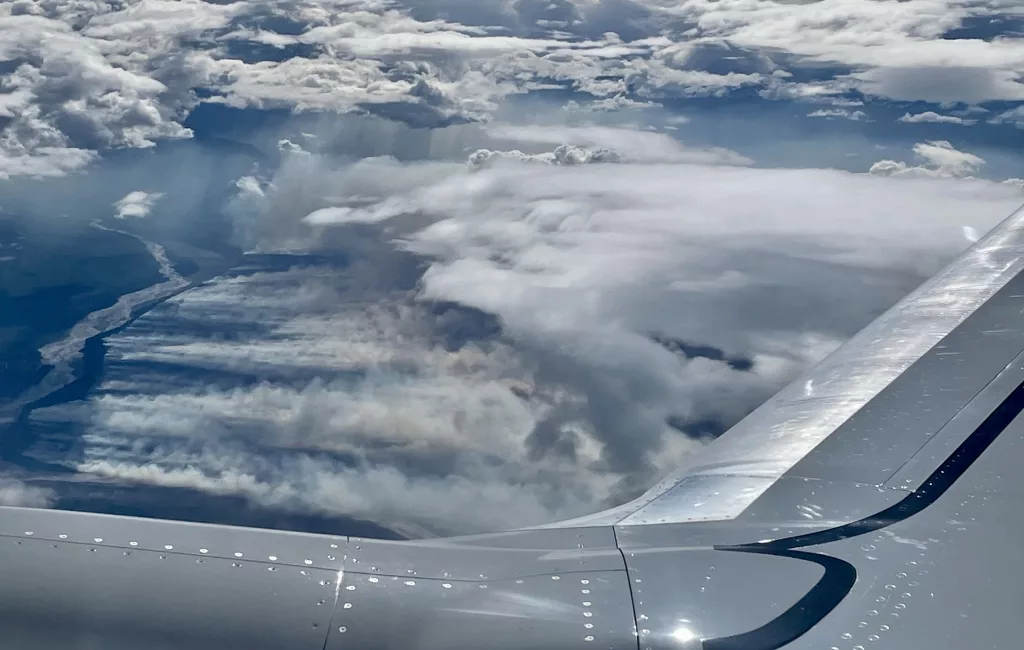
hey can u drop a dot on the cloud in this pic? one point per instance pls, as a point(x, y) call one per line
point(629, 144)
point(595, 144)
point(870, 37)
point(856, 116)
point(112, 76)
point(463, 347)
point(943, 83)
point(934, 118)
point(609, 104)
point(19, 159)
point(940, 159)
point(1014, 116)
point(563, 155)
point(84, 78)
point(421, 434)
point(656, 78)
point(136, 204)
point(512, 344)
point(716, 56)
point(17, 493)
point(518, 241)
point(277, 213)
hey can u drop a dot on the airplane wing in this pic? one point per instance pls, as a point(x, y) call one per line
point(871, 504)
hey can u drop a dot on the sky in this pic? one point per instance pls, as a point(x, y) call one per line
point(535, 252)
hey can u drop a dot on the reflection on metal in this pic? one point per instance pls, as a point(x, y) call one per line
point(530, 612)
point(685, 639)
point(701, 498)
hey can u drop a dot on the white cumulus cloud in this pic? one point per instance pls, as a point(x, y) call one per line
point(89, 76)
point(934, 118)
point(136, 204)
point(856, 116)
point(938, 158)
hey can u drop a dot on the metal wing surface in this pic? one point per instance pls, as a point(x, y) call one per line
point(873, 503)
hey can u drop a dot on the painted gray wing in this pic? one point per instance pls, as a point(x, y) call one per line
point(871, 504)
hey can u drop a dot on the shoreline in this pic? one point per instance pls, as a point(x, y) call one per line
point(75, 362)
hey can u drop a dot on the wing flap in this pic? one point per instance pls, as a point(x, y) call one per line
point(967, 422)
